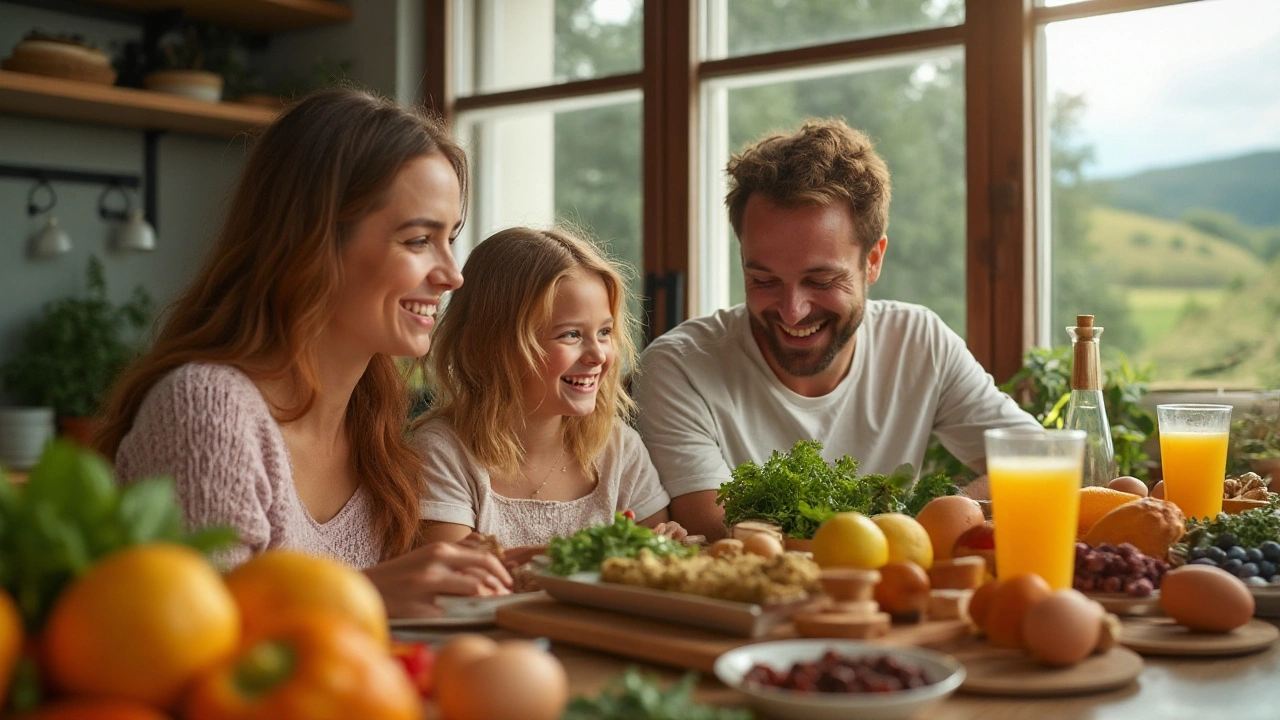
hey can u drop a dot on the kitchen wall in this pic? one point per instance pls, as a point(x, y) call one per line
point(196, 174)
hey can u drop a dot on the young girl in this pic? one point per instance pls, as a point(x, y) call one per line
point(528, 435)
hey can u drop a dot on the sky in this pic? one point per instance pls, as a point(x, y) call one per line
point(1172, 85)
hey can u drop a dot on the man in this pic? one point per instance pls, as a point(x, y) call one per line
point(808, 356)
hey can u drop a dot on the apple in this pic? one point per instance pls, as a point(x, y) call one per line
point(980, 541)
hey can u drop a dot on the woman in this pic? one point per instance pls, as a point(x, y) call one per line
point(272, 394)
point(529, 435)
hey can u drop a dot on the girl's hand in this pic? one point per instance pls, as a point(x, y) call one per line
point(517, 556)
point(409, 584)
point(671, 529)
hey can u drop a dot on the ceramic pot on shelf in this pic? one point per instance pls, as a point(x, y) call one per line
point(195, 84)
point(23, 434)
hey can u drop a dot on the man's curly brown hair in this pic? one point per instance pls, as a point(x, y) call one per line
point(825, 161)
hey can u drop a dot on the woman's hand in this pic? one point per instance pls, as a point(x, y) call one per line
point(675, 531)
point(410, 583)
point(517, 556)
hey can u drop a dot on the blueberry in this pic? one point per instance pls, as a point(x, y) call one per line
point(1203, 561)
point(1237, 553)
point(1232, 564)
point(1196, 553)
point(1255, 581)
point(1246, 570)
point(1266, 569)
point(1253, 555)
point(1226, 541)
point(1216, 554)
point(1271, 550)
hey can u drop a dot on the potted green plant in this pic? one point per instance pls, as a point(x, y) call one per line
point(1255, 439)
point(70, 355)
point(193, 59)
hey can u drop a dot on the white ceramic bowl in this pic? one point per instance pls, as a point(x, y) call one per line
point(944, 672)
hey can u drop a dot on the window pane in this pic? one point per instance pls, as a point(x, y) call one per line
point(576, 163)
point(746, 27)
point(1164, 173)
point(511, 44)
point(913, 108)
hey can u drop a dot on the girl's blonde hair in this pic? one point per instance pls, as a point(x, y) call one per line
point(486, 343)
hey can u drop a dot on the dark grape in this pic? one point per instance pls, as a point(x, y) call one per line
point(1238, 553)
point(1246, 570)
point(1231, 565)
point(1203, 561)
point(1096, 563)
point(1270, 550)
point(1139, 588)
point(1112, 584)
point(1227, 541)
point(1196, 553)
point(1255, 581)
point(1126, 550)
point(1216, 554)
point(1253, 555)
point(1266, 569)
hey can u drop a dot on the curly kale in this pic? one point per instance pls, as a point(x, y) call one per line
point(586, 549)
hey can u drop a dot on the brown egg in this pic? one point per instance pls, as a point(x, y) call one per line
point(517, 680)
point(903, 588)
point(1157, 491)
point(1009, 606)
point(726, 547)
point(1206, 598)
point(766, 546)
point(1131, 485)
point(947, 518)
point(980, 604)
point(1062, 629)
point(457, 654)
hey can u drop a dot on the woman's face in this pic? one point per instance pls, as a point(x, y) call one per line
point(398, 262)
point(578, 342)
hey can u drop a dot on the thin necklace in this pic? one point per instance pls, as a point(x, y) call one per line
point(547, 477)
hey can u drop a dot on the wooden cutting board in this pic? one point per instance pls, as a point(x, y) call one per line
point(1007, 672)
point(667, 644)
point(1162, 636)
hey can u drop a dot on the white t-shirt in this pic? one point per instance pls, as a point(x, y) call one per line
point(709, 401)
point(458, 490)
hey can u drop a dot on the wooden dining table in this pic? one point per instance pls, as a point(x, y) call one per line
point(1236, 688)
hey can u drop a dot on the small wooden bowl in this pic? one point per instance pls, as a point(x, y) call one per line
point(849, 584)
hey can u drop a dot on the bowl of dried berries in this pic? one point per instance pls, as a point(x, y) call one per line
point(829, 679)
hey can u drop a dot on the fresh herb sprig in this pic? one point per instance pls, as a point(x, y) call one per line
point(799, 490)
point(1251, 527)
point(637, 697)
point(586, 549)
point(70, 513)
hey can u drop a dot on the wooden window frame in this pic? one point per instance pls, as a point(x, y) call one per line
point(998, 37)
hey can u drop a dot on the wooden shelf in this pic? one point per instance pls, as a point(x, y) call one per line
point(39, 96)
point(258, 16)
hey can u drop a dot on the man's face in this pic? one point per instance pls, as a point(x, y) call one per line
point(806, 286)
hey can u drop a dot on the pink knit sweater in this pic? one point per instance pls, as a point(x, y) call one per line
point(209, 428)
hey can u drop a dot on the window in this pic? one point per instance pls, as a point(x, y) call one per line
point(1163, 173)
point(1111, 161)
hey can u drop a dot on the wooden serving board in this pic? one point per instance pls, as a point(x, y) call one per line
point(668, 644)
point(1162, 636)
point(1013, 673)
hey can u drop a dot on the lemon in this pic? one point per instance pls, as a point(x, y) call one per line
point(908, 540)
point(849, 539)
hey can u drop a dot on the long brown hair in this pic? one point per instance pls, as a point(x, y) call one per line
point(487, 341)
point(265, 293)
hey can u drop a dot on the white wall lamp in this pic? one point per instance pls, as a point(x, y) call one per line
point(52, 240)
point(134, 233)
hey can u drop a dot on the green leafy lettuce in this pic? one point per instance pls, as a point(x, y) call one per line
point(799, 490)
point(586, 549)
point(636, 697)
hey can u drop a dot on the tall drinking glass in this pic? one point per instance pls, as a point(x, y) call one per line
point(1035, 480)
point(1193, 454)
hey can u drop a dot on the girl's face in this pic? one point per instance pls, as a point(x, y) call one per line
point(398, 262)
point(578, 342)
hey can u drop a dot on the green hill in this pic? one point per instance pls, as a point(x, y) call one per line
point(1149, 251)
point(1246, 187)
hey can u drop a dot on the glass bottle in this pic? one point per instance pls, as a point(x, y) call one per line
point(1086, 410)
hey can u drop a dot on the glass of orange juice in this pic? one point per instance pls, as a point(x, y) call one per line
point(1035, 480)
point(1193, 455)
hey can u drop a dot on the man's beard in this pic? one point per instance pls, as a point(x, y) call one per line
point(807, 363)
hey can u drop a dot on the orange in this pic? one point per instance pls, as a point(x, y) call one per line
point(1008, 606)
point(947, 518)
point(1098, 501)
point(96, 709)
point(141, 625)
point(11, 639)
point(278, 583)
